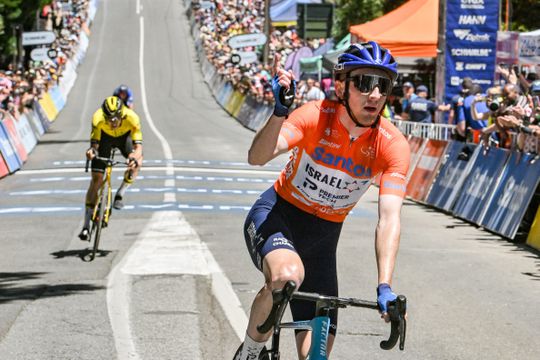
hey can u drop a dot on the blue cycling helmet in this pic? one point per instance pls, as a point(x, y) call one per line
point(366, 55)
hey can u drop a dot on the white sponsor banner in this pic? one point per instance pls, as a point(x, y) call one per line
point(37, 38)
point(247, 40)
point(40, 54)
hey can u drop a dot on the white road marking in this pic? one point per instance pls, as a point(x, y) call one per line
point(169, 245)
point(155, 168)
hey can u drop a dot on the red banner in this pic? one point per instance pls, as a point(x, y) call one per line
point(426, 169)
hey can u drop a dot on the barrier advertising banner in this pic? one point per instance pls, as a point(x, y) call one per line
point(47, 104)
point(480, 184)
point(8, 153)
point(513, 195)
point(3, 167)
point(534, 234)
point(455, 167)
point(26, 133)
point(426, 169)
point(35, 123)
point(416, 144)
point(471, 43)
point(13, 136)
point(41, 115)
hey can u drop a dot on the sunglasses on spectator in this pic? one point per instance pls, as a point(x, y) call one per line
point(366, 83)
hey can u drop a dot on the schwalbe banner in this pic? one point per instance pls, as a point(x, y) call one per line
point(471, 43)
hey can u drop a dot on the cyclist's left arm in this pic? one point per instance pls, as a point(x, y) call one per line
point(392, 190)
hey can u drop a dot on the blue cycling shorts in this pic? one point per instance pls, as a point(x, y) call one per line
point(273, 223)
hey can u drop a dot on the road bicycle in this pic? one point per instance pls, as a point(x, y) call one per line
point(320, 324)
point(103, 207)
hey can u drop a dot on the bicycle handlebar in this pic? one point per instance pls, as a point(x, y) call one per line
point(396, 310)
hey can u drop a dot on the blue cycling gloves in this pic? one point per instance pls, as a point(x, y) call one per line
point(284, 97)
point(384, 295)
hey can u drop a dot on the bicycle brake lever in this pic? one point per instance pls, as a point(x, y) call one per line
point(396, 310)
point(286, 96)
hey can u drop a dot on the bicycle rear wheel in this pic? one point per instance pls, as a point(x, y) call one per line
point(262, 356)
point(98, 223)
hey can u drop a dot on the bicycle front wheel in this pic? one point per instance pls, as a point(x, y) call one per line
point(102, 202)
point(262, 356)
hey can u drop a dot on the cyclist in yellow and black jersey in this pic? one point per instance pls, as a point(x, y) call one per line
point(114, 125)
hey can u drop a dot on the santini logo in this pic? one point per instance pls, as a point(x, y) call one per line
point(464, 34)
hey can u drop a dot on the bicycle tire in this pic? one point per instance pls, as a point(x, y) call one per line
point(99, 224)
point(262, 356)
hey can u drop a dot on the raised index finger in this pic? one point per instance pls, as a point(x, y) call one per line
point(275, 66)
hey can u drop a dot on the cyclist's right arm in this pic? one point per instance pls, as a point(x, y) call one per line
point(95, 135)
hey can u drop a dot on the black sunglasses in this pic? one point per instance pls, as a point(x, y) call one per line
point(366, 83)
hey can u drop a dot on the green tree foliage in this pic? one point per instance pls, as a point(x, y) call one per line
point(12, 13)
point(352, 12)
point(524, 15)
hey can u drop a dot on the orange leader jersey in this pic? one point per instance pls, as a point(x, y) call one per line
point(328, 172)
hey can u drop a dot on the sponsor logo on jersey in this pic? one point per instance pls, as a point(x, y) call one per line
point(329, 144)
point(368, 152)
point(345, 163)
point(385, 133)
point(471, 52)
point(472, 19)
point(398, 175)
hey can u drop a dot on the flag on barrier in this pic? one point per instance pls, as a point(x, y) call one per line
point(513, 194)
point(480, 183)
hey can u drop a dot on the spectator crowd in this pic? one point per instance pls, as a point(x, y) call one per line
point(225, 19)
point(21, 84)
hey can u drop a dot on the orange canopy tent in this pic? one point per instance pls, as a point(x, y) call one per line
point(410, 30)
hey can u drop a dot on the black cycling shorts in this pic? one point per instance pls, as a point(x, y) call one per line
point(273, 223)
point(107, 143)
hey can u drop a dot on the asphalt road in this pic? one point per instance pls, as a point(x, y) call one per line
point(174, 280)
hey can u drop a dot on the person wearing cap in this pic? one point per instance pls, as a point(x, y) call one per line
point(337, 149)
point(408, 95)
point(420, 109)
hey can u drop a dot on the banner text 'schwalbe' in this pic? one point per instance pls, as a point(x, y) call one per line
point(102, 204)
point(263, 355)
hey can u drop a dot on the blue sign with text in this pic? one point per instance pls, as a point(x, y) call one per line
point(452, 173)
point(480, 184)
point(471, 43)
point(516, 188)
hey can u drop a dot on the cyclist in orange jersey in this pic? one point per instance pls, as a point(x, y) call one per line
point(337, 149)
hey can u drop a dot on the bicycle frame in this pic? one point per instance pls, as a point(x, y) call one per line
point(102, 208)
